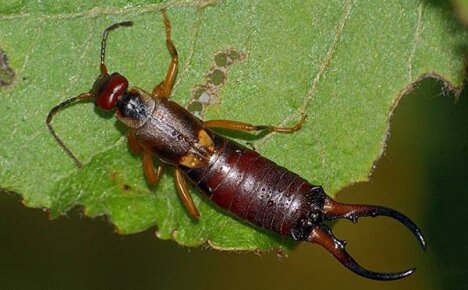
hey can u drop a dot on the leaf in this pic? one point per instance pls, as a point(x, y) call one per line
point(344, 63)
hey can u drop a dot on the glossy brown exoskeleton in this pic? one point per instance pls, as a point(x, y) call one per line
point(234, 177)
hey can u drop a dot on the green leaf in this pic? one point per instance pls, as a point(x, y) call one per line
point(346, 64)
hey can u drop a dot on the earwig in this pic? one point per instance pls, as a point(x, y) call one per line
point(234, 177)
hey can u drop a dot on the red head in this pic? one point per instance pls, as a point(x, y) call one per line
point(107, 89)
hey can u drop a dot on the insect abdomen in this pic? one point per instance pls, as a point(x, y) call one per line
point(257, 190)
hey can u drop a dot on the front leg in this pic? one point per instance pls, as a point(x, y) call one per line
point(163, 90)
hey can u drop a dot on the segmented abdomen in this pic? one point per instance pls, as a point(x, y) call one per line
point(257, 190)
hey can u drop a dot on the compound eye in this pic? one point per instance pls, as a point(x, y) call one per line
point(108, 89)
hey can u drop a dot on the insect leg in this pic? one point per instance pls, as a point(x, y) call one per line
point(152, 176)
point(185, 195)
point(164, 88)
point(133, 143)
point(241, 126)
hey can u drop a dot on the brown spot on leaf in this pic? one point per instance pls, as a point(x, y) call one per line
point(208, 93)
point(121, 182)
point(7, 74)
point(221, 59)
point(195, 107)
point(217, 77)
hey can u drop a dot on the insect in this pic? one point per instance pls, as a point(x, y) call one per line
point(237, 179)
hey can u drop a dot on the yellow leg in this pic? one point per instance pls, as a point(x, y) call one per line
point(164, 89)
point(133, 143)
point(185, 195)
point(241, 126)
point(152, 176)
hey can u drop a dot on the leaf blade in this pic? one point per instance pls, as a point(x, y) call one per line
point(344, 63)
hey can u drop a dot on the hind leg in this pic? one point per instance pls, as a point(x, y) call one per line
point(241, 126)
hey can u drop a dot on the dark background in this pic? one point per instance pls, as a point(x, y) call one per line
point(424, 174)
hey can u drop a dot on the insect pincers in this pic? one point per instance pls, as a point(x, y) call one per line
point(227, 173)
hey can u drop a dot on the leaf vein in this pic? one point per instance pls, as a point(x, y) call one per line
point(417, 40)
point(99, 11)
point(324, 65)
point(191, 49)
